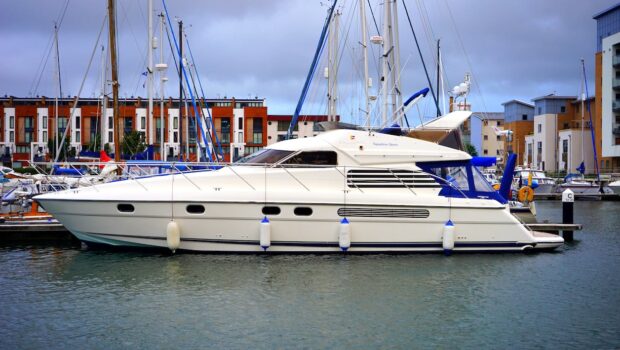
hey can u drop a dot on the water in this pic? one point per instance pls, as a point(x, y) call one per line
point(67, 297)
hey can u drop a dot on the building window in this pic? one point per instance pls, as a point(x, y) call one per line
point(192, 130)
point(257, 130)
point(485, 151)
point(44, 136)
point(78, 137)
point(44, 123)
point(225, 130)
point(539, 128)
point(175, 137)
point(128, 124)
point(240, 121)
point(497, 138)
point(77, 122)
point(142, 122)
point(486, 137)
point(539, 110)
point(524, 117)
point(563, 109)
point(11, 122)
point(499, 123)
point(110, 122)
point(158, 131)
point(175, 122)
point(497, 152)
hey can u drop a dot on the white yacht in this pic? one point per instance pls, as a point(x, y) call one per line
point(342, 190)
point(544, 184)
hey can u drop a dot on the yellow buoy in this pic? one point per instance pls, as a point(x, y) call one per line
point(526, 193)
point(173, 235)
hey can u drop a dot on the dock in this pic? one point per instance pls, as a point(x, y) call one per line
point(38, 230)
point(579, 196)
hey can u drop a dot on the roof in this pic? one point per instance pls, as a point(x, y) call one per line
point(288, 118)
point(604, 12)
point(489, 115)
point(519, 102)
point(578, 100)
point(553, 97)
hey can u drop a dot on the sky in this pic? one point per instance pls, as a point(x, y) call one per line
point(512, 49)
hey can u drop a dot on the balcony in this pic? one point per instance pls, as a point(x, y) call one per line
point(615, 83)
point(616, 61)
point(616, 106)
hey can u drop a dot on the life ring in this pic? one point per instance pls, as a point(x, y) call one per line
point(525, 193)
point(496, 187)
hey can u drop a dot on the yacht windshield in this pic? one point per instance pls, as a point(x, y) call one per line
point(265, 156)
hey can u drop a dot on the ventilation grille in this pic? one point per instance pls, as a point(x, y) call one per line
point(394, 178)
point(384, 213)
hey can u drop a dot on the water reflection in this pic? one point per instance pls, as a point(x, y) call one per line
point(95, 299)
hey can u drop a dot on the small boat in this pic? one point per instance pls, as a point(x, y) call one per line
point(540, 181)
point(579, 185)
point(615, 186)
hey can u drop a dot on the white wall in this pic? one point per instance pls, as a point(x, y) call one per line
point(608, 116)
point(548, 137)
point(575, 155)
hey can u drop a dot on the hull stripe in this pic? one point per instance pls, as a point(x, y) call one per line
point(498, 244)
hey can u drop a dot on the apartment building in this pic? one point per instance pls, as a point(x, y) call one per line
point(607, 88)
point(518, 118)
point(28, 124)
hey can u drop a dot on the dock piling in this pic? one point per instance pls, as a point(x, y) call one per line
point(568, 202)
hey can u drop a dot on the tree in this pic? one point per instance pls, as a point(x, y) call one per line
point(469, 148)
point(133, 143)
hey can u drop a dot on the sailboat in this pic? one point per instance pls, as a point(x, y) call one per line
point(576, 182)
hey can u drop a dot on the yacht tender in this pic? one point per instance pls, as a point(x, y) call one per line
point(344, 189)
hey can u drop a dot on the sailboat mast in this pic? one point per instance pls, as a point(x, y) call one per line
point(59, 92)
point(397, 99)
point(583, 98)
point(365, 54)
point(181, 90)
point(332, 67)
point(384, 61)
point(117, 119)
point(162, 80)
point(149, 73)
point(104, 98)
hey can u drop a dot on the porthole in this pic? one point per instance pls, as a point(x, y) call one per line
point(195, 209)
point(271, 210)
point(303, 211)
point(125, 208)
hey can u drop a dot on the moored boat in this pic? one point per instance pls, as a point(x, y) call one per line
point(342, 190)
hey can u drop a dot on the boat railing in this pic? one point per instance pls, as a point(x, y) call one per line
point(141, 170)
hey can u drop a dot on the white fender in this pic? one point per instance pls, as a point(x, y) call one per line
point(344, 239)
point(265, 233)
point(448, 237)
point(173, 235)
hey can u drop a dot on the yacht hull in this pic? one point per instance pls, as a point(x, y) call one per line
point(235, 227)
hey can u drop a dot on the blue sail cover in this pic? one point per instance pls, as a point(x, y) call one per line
point(461, 179)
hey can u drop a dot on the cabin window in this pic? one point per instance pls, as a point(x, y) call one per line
point(125, 208)
point(303, 211)
point(265, 156)
point(195, 209)
point(314, 158)
point(270, 210)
